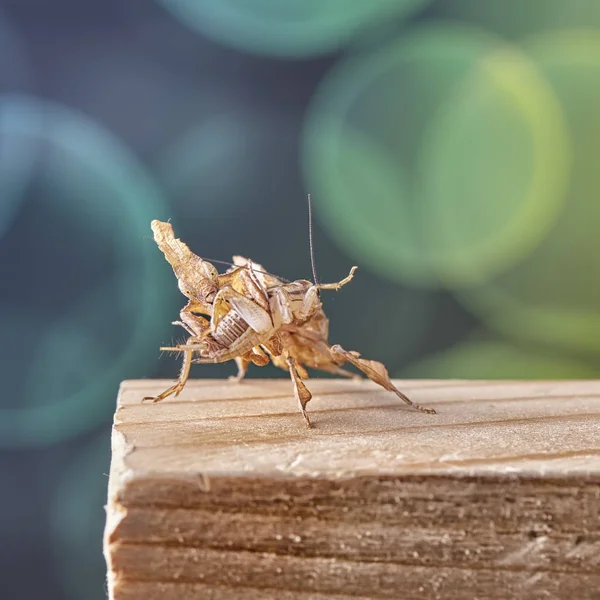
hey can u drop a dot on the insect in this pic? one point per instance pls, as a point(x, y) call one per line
point(251, 316)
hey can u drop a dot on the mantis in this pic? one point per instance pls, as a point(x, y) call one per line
point(251, 316)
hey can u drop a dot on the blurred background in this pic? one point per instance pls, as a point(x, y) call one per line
point(451, 148)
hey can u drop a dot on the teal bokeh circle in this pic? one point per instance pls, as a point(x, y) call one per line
point(77, 519)
point(292, 28)
point(110, 330)
point(17, 155)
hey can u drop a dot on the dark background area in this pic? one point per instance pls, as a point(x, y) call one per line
point(450, 148)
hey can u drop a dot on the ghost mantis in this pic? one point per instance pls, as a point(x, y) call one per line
point(251, 316)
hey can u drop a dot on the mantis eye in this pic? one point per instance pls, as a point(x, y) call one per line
point(210, 271)
point(183, 288)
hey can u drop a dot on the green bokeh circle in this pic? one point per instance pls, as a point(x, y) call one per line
point(290, 28)
point(552, 296)
point(378, 120)
point(496, 360)
point(76, 362)
point(516, 18)
point(356, 186)
point(493, 167)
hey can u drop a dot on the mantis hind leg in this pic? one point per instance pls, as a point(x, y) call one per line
point(375, 371)
point(339, 371)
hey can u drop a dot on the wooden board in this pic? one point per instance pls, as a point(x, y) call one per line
point(224, 493)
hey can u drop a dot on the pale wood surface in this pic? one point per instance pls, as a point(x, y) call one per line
point(223, 492)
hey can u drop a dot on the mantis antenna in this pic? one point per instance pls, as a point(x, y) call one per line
point(310, 241)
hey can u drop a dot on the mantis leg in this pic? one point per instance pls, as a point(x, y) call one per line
point(338, 284)
point(242, 365)
point(256, 356)
point(300, 390)
point(339, 371)
point(195, 324)
point(184, 374)
point(375, 371)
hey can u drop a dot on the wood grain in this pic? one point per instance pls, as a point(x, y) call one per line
point(223, 492)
